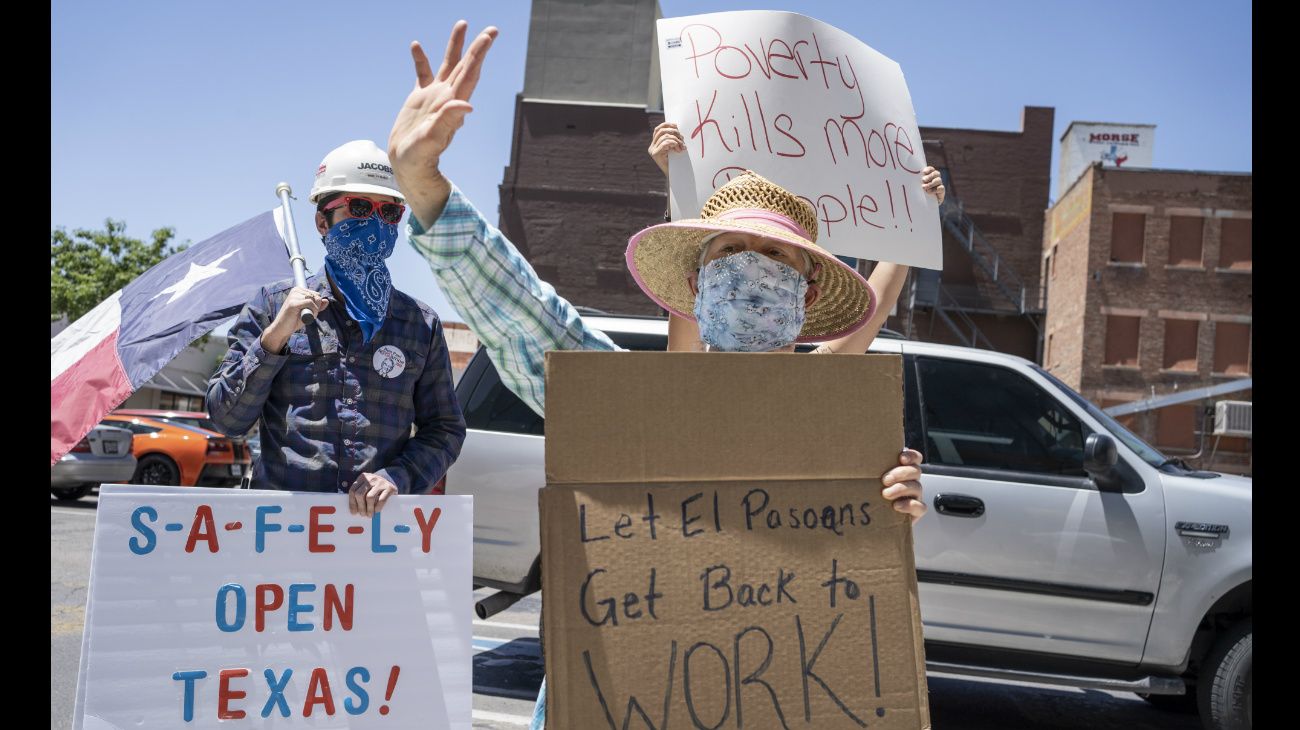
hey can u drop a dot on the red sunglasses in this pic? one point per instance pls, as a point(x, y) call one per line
point(365, 207)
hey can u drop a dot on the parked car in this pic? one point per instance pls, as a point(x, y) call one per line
point(102, 457)
point(1060, 548)
point(170, 450)
point(188, 418)
point(254, 447)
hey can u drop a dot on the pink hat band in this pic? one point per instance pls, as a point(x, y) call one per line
point(765, 217)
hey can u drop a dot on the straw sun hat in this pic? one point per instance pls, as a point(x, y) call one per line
point(662, 257)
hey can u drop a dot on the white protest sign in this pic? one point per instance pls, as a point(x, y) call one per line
point(812, 109)
point(276, 609)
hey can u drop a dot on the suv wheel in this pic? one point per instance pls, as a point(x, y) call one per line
point(156, 469)
point(1226, 686)
point(69, 494)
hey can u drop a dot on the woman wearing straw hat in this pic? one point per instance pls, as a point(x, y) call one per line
point(886, 280)
point(749, 269)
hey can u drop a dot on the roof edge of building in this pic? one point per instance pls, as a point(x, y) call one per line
point(1238, 173)
point(580, 102)
point(1109, 124)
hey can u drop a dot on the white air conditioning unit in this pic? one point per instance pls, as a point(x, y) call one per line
point(1232, 418)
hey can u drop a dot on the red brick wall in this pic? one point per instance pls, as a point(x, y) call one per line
point(578, 186)
point(1065, 240)
point(1007, 333)
point(1089, 289)
point(1003, 180)
point(1154, 289)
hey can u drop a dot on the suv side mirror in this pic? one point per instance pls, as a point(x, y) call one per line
point(1099, 458)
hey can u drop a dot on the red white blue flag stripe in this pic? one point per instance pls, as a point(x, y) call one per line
point(103, 357)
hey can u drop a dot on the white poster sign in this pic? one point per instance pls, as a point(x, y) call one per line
point(224, 608)
point(809, 107)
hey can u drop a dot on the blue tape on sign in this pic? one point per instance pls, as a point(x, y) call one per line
point(376, 546)
point(296, 528)
point(401, 528)
point(150, 537)
point(297, 607)
point(277, 693)
point(241, 606)
point(355, 673)
point(262, 526)
point(187, 711)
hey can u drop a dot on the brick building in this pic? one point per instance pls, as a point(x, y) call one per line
point(1148, 279)
point(988, 294)
point(579, 181)
point(461, 345)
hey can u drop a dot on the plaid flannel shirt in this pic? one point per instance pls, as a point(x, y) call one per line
point(516, 316)
point(331, 407)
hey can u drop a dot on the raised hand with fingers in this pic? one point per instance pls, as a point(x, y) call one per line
point(932, 182)
point(667, 138)
point(430, 116)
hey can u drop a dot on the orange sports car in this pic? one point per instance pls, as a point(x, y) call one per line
point(181, 448)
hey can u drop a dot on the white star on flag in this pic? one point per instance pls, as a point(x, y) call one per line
point(197, 273)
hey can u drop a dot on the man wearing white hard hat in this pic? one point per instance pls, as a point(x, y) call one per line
point(337, 398)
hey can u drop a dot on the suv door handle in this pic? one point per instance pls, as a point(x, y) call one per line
point(959, 505)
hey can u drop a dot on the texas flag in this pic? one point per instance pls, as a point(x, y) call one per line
point(103, 357)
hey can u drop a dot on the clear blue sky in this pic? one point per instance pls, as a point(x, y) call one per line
point(187, 114)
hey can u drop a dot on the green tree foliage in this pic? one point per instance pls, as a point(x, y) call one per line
point(87, 266)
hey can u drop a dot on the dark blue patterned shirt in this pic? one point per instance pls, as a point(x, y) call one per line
point(331, 407)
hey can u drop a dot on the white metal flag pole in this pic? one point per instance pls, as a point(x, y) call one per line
point(296, 259)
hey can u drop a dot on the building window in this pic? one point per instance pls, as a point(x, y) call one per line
point(1185, 234)
point(1232, 348)
point(1177, 426)
point(1127, 235)
point(1180, 344)
point(1050, 363)
point(1122, 340)
point(1051, 263)
point(994, 418)
point(1235, 249)
point(169, 401)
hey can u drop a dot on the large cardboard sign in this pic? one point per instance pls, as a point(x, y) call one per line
point(221, 608)
point(809, 107)
point(716, 549)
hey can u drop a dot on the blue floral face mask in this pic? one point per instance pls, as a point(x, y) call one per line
point(748, 302)
point(355, 252)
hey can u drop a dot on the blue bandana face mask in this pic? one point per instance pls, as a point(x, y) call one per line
point(748, 302)
point(355, 252)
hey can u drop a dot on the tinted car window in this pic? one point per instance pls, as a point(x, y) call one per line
point(493, 407)
point(912, 436)
point(994, 418)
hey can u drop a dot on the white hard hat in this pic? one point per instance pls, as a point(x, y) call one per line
point(356, 167)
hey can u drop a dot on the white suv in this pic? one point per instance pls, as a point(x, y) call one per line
point(1059, 548)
